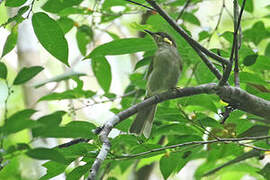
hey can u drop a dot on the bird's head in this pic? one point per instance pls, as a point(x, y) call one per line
point(161, 38)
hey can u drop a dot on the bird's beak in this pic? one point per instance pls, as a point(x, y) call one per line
point(149, 32)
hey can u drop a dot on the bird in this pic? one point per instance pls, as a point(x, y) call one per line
point(163, 74)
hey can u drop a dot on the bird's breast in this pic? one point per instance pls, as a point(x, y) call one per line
point(166, 70)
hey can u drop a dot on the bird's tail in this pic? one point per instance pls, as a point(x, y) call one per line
point(144, 121)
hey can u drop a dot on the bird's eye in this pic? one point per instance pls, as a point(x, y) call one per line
point(168, 41)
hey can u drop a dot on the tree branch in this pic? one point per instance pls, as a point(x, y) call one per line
point(182, 32)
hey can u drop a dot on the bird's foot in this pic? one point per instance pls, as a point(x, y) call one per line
point(177, 89)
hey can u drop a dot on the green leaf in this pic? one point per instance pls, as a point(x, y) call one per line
point(78, 172)
point(165, 113)
point(84, 36)
point(183, 139)
point(74, 10)
point(143, 62)
point(203, 35)
point(255, 131)
point(265, 172)
point(250, 60)
point(19, 121)
point(262, 63)
point(17, 148)
point(14, 3)
point(46, 154)
point(69, 94)
point(3, 71)
point(267, 50)
point(75, 93)
point(202, 101)
point(26, 74)
point(77, 150)
point(53, 119)
point(206, 121)
point(51, 36)
point(228, 35)
point(203, 74)
point(246, 77)
point(168, 163)
point(259, 29)
point(249, 6)
point(174, 129)
point(245, 51)
point(124, 140)
point(53, 169)
point(75, 129)
point(54, 6)
point(65, 23)
point(147, 147)
point(189, 17)
point(18, 17)
point(11, 41)
point(240, 127)
point(61, 77)
point(242, 157)
point(113, 35)
point(109, 4)
point(123, 46)
point(138, 80)
point(124, 165)
point(102, 71)
point(112, 178)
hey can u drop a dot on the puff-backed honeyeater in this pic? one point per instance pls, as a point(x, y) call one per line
point(163, 74)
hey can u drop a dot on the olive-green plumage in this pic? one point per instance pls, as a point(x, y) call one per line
point(164, 72)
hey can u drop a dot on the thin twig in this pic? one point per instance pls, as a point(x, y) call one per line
point(73, 142)
point(219, 20)
point(31, 8)
point(183, 9)
point(236, 53)
point(220, 15)
point(253, 147)
point(6, 100)
point(194, 68)
point(228, 69)
point(141, 5)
